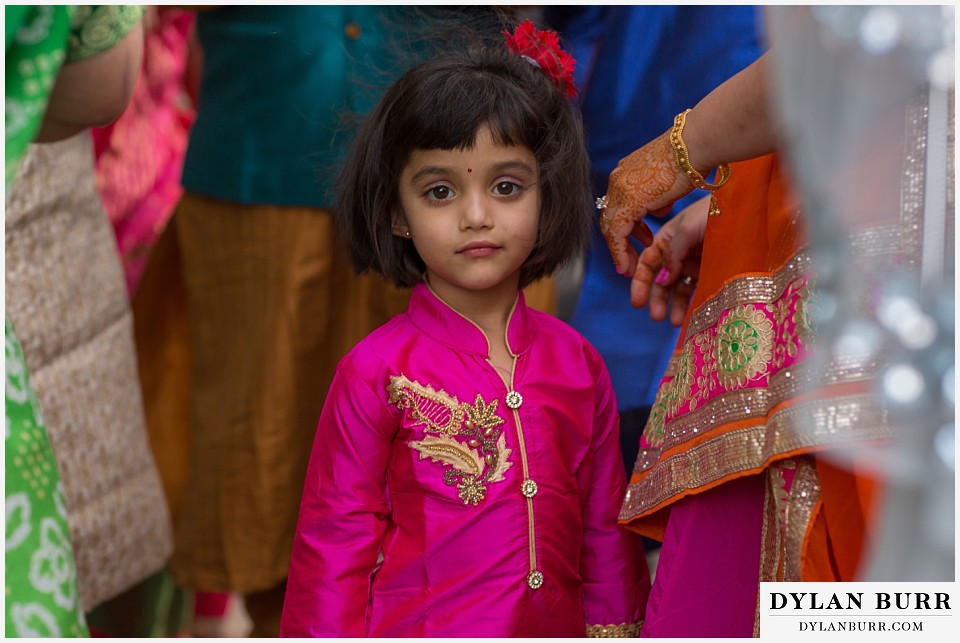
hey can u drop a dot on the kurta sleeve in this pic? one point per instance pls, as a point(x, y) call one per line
point(343, 514)
point(616, 582)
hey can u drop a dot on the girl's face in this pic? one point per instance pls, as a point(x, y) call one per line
point(473, 215)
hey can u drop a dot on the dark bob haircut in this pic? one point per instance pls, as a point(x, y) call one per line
point(441, 104)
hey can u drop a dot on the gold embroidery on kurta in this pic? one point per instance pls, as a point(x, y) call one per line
point(495, 474)
point(481, 459)
point(438, 411)
point(471, 490)
point(622, 631)
point(483, 415)
point(448, 451)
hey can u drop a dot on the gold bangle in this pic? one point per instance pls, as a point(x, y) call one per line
point(683, 162)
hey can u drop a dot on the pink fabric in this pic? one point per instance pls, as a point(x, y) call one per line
point(450, 568)
point(709, 568)
point(140, 155)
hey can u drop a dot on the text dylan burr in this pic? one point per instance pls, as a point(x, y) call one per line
point(856, 601)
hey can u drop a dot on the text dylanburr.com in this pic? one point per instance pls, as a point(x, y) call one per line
point(869, 610)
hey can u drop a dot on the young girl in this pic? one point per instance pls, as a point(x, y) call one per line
point(466, 474)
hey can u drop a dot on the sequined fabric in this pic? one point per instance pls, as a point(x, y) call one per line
point(741, 391)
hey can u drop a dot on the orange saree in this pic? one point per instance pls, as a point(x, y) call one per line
point(742, 397)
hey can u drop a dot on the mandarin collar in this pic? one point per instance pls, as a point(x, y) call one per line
point(438, 319)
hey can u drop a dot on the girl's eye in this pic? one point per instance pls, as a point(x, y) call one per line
point(439, 193)
point(506, 188)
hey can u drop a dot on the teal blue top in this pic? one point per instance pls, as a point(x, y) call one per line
point(277, 82)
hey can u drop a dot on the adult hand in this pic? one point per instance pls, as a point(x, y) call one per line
point(668, 268)
point(646, 181)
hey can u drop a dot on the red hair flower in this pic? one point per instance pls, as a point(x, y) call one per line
point(543, 48)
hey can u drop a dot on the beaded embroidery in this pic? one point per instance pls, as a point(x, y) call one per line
point(466, 437)
point(622, 631)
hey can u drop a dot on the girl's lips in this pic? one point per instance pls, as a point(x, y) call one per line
point(478, 250)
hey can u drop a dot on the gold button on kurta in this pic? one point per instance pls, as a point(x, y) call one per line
point(535, 580)
point(528, 488)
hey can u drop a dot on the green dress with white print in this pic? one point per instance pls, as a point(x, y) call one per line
point(41, 596)
point(40, 580)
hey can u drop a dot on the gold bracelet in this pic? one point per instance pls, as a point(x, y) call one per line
point(683, 162)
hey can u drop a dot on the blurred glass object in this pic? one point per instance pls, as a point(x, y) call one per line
point(866, 96)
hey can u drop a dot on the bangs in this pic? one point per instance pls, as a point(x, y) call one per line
point(451, 107)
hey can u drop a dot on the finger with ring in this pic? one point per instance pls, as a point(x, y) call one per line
point(601, 202)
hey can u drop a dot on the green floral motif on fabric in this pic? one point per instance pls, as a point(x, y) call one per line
point(41, 595)
point(655, 430)
point(682, 386)
point(744, 346)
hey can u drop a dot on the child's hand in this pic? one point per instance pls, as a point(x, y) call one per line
point(669, 267)
point(646, 181)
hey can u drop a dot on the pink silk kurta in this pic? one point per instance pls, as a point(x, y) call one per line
point(495, 506)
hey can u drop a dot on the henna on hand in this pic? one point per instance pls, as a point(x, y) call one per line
point(648, 180)
point(675, 252)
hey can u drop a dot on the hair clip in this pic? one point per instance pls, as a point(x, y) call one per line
point(542, 49)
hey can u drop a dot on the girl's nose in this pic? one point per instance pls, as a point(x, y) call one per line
point(475, 212)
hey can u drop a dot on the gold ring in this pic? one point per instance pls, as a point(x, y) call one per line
point(605, 218)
